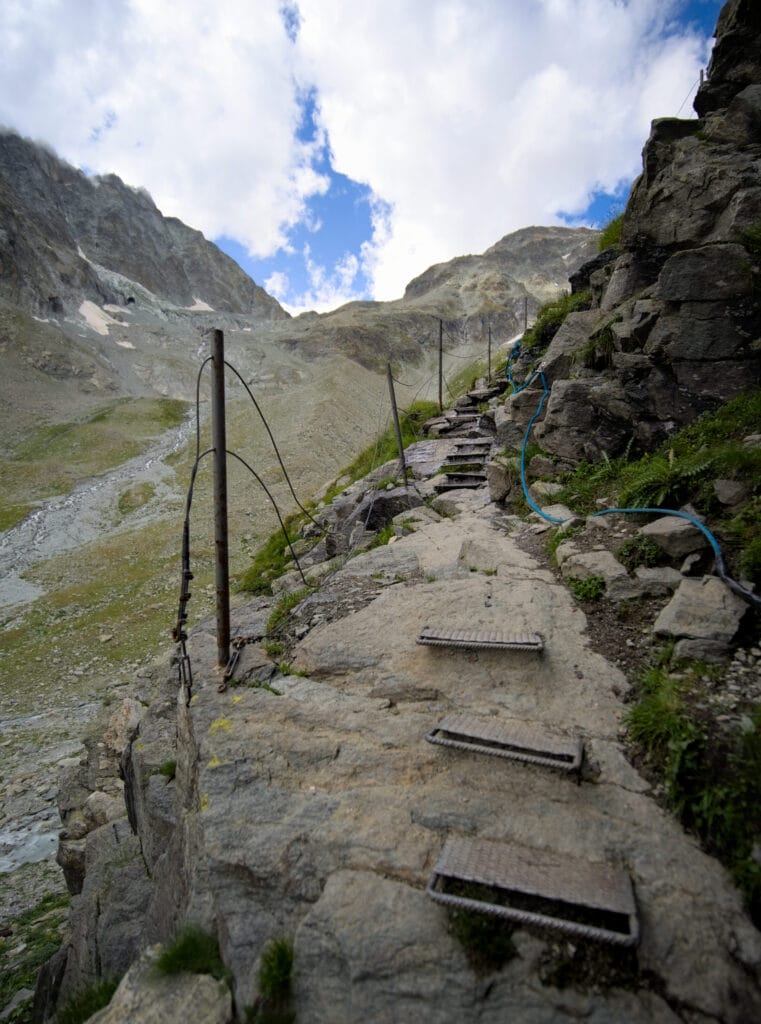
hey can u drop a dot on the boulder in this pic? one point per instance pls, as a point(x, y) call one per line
point(100, 808)
point(502, 477)
point(677, 537)
point(593, 563)
point(730, 492)
point(657, 582)
point(703, 610)
point(585, 418)
point(148, 997)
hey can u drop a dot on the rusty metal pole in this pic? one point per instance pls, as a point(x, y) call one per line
point(441, 363)
point(219, 444)
point(395, 411)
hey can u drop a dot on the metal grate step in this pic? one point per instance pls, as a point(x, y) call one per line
point(537, 887)
point(473, 639)
point(466, 458)
point(458, 481)
point(519, 742)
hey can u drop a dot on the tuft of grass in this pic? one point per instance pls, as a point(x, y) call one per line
point(279, 614)
point(590, 589)
point(485, 938)
point(36, 936)
point(465, 379)
point(639, 550)
point(712, 781)
point(87, 1002)
point(274, 984)
point(659, 718)
point(194, 951)
point(750, 237)
point(384, 448)
point(611, 233)
point(168, 769)
point(272, 558)
point(597, 352)
point(382, 537)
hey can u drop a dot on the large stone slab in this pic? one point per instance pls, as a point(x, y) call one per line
point(702, 609)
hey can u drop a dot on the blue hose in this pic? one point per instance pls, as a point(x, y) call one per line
point(721, 569)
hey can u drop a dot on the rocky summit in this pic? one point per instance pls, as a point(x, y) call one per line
point(488, 746)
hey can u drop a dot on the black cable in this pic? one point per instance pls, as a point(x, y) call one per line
point(198, 408)
point(277, 511)
point(274, 445)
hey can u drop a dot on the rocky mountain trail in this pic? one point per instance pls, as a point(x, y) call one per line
point(321, 742)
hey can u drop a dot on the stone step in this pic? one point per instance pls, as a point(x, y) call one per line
point(517, 741)
point(537, 887)
point(484, 394)
point(479, 639)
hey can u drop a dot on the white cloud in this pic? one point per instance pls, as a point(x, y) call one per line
point(472, 118)
point(195, 101)
point(466, 118)
point(327, 289)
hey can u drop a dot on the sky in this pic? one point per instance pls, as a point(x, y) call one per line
point(338, 148)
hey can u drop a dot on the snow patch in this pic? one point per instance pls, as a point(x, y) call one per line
point(40, 320)
point(95, 317)
point(124, 344)
point(111, 308)
point(199, 306)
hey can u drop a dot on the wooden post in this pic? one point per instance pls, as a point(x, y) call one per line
point(219, 443)
point(397, 427)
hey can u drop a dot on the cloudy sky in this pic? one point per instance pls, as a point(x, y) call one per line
point(337, 148)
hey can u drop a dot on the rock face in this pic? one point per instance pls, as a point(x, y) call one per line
point(58, 227)
point(675, 324)
point(312, 807)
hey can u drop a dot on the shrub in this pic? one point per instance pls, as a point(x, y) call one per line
point(550, 318)
point(611, 233)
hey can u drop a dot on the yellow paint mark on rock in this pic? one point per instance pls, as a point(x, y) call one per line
point(194, 699)
point(237, 700)
point(205, 802)
point(214, 763)
point(220, 725)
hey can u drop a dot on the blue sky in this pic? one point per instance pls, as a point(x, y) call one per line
point(337, 149)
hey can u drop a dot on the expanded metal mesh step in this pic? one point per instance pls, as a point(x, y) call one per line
point(473, 639)
point(537, 887)
point(517, 741)
point(459, 481)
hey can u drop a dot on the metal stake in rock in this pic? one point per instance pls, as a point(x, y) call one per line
point(219, 443)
